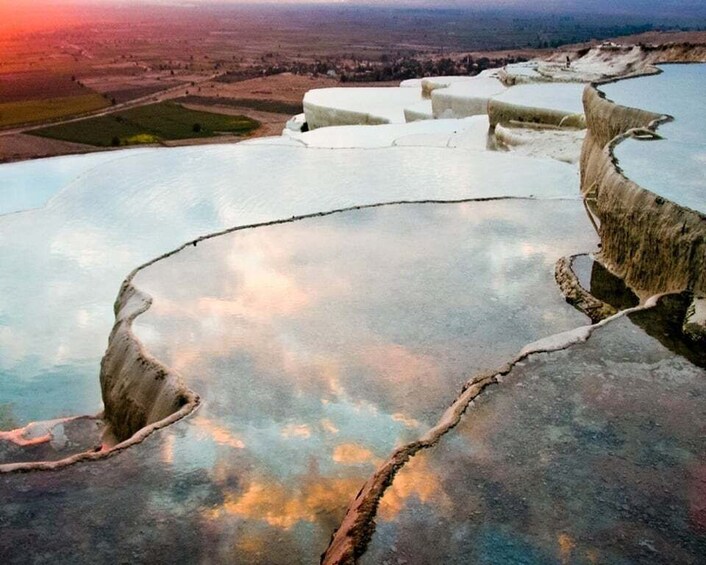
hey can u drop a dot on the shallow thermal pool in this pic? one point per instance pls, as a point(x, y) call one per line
point(63, 263)
point(319, 345)
point(676, 166)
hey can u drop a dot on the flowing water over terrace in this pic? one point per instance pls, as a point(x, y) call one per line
point(30, 184)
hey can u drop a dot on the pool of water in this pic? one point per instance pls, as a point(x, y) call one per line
point(63, 263)
point(317, 346)
point(676, 166)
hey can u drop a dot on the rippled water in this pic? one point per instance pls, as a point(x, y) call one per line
point(674, 167)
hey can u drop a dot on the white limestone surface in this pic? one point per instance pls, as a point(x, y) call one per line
point(563, 97)
point(562, 144)
point(49, 176)
point(287, 139)
point(465, 98)
point(296, 123)
point(430, 84)
point(384, 135)
point(358, 106)
point(412, 83)
point(473, 134)
point(419, 111)
point(556, 104)
point(521, 72)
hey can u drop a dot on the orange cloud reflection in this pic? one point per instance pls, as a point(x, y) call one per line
point(220, 434)
point(283, 508)
point(353, 454)
point(416, 479)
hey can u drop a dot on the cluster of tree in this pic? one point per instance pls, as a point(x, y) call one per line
point(411, 67)
point(386, 68)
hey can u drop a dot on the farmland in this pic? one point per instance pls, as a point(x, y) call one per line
point(149, 124)
point(22, 112)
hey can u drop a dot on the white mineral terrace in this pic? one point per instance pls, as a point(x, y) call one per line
point(450, 97)
point(676, 91)
point(351, 106)
point(465, 98)
point(63, 263)
point(545, 96)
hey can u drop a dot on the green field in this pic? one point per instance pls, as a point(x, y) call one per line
point(15, 113)
point(149, 124)
point(274, 106)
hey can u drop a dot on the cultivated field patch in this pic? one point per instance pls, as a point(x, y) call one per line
point(149, 124)
point(32, 111)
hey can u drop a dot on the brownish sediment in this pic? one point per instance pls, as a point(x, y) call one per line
point(137, 389)
point(652, 243)
point(578, 296)
point(500, 112)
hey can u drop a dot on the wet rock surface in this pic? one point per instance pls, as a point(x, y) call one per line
point(51, 441)
point(594, 454)
point(602, 284)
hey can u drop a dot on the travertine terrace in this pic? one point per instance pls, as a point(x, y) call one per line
point(323, 340)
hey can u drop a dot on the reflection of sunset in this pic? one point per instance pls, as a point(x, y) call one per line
point(328, 426)
point(566, 546)
point(219, 434)
point(416, 480)
point(395, 363)
point(167, 449)
point(406, 420)
point(283, 508)
point(352, 454)
point(301, 431)
point(323, 346)
point(261, 296)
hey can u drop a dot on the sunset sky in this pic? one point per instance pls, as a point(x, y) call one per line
point(21, 15)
